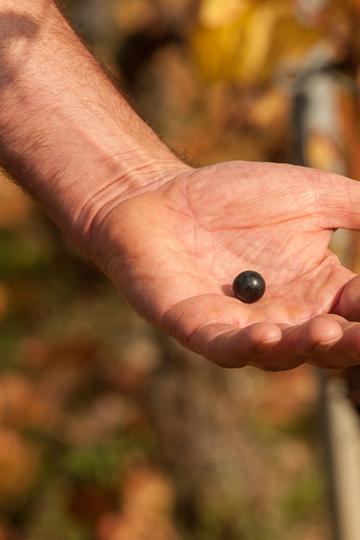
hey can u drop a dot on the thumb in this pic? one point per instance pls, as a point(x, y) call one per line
point(339, 198)
point(348, 303)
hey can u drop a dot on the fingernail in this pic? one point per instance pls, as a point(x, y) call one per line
point(265, 346)
point(323, 347)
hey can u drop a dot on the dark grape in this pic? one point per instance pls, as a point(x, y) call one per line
point(249, 286)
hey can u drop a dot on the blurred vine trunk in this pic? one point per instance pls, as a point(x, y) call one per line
point(217, 432)
point(205, 422)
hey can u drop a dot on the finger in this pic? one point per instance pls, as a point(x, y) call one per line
point(232, 347)
point(301, 342)
point(216, 326)
point(348, 303)
point(345, 352)
point(339, 198)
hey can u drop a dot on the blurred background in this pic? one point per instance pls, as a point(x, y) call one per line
point(109, 430)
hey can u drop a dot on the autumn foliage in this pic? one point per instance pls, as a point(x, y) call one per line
point(109, 431)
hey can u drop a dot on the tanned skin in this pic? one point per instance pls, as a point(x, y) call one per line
point(173, 237)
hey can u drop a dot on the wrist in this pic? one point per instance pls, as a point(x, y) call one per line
point(123, 180)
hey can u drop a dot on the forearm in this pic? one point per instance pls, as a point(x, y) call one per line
point(66, 134)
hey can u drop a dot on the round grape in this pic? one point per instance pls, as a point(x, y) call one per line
point(249, 286)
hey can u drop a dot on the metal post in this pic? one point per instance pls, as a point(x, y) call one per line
point(315, 111)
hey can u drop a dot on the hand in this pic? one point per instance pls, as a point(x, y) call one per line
point(174, 252)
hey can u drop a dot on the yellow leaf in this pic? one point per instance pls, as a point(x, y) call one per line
point(213, 13)
point(257, 40)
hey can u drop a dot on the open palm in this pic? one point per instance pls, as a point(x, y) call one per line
point(175, 250)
